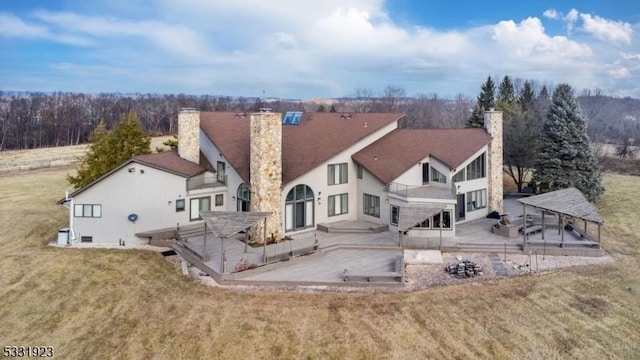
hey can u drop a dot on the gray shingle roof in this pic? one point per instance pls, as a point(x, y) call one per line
point(566, 201)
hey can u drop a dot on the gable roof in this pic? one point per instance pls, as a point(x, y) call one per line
point(317, 138)
point(170, 161)
point(167, 161)
point(398, 151)
point(569, 201)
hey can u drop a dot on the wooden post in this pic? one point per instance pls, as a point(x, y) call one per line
point(599, 242)
point(246, 239)
point(524, 221)
point(221, 255)
point(204, 246)
point(264, 249)
point(441, 221)
point(543, 213)
point(562, 231)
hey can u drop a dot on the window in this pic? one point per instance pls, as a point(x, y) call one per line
point(337, 174)
point(179, 205)
point(298, 208)
point(425, 224)
point(221, 173)
point(219, 200)
point(476, 169)
point(459, 176)
point(87, 210)
point(476, 200)
point(395, 214)
point(243, 196)
point(338, 204)
point(425, 173)
point(437, 176)
point(446, 223)
point(435, 221)
point(86, 239)
point(359, 171)
point(371, 205)
point(197, 205)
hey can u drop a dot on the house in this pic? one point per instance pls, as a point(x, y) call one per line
point(305, 169)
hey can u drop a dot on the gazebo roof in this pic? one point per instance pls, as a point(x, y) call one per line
point(414, 214)
point(228, 223)
point(566, 201)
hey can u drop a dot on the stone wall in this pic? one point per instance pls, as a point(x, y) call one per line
point(189, 135)
point(266, 171)
point(493, 124)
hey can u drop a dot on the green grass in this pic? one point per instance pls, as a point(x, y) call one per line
point(91, 303)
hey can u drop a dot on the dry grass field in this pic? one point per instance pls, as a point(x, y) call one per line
point(95, 304)
point(21, 160)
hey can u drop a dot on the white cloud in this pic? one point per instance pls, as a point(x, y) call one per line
point(551, 14)
point(291, 49)
point(11, 25)
point(619, 73)
point(528, 39)
point(607, 30)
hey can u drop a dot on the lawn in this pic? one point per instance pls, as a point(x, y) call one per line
point(91, 303)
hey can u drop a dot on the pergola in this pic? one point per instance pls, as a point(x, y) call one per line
point(414, 214)
point(564, 203)
point(225, 224)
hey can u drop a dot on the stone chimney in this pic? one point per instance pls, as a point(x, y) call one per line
point(266, 171)
point(493, 124)
point(189, 135)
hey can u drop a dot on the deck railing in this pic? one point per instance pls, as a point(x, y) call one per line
point(206, 182)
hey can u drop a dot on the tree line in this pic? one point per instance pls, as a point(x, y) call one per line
point(36, 119)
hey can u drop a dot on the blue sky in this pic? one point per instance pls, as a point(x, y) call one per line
point(313, 49)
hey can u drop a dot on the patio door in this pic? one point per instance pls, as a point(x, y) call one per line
point(298, 209)
point(460, 214)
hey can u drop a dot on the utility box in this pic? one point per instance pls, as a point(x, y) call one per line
point(63, 236)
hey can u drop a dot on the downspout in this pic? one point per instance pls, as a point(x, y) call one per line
point(72, 238)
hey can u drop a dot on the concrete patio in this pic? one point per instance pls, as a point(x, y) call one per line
point(364, 252)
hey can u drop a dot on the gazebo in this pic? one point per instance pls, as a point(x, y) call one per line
point(225, 224)
point(565, 203)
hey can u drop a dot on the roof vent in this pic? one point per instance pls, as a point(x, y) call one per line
point(241, 115)
point(345, 116)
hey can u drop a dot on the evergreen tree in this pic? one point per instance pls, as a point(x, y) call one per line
point(486, 101)
point(321, 108)
point(506, 94)
point(108, 149)
point(333, 108)
point(565, 158)
point(526, 97)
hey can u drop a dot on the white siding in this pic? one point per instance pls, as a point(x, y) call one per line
point(316, 179)
point(149, 193)
point(234, 180)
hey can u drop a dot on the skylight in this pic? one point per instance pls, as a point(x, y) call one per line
point(292, 118)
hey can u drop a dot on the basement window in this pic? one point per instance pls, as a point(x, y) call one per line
point(86, 239)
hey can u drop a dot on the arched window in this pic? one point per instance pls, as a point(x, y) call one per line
point(243, 197)
point(298, 209)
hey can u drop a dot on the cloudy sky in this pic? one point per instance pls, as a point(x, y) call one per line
point(316, 48)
